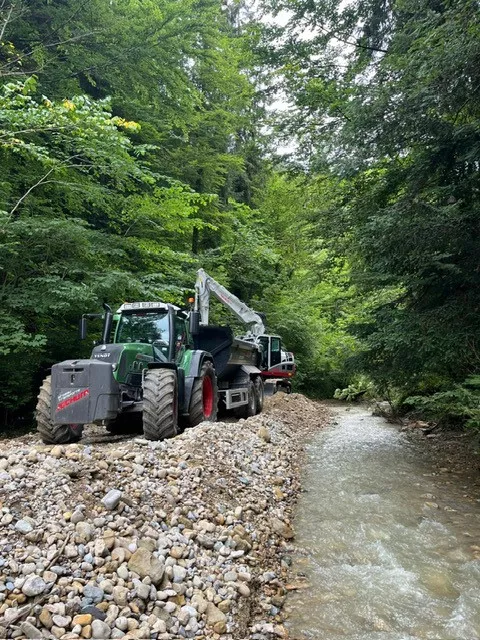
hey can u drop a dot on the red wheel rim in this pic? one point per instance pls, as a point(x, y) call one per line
point(207, 394)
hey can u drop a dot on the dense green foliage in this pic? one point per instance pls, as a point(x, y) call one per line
point(134, 149)
point(385, 98)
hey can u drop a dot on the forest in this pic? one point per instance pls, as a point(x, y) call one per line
point(320, 158)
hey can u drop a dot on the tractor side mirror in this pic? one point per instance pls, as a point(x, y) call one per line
point(82, 329)
point(194, 323)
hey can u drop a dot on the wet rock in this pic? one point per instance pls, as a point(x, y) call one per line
point(282, 529)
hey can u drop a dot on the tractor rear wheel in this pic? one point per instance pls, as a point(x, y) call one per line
point(259, 394)
point(250, 409)
point(51, 433)
point(160, 404)
point(204, 400)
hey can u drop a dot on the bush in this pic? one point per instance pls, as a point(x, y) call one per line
point(456, 407)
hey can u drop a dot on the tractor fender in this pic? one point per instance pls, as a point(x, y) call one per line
point(196, 364)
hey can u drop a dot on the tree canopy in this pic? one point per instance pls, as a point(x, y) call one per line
point(140, 140)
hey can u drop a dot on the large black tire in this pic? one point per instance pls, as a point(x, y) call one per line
point(250, 409)
point(51, 433)
point(204, 399)
point(160, 404)
point(259, 394)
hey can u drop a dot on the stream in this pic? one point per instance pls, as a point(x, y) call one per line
point(386, 543)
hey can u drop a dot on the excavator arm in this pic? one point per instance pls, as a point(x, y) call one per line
point(206, 286)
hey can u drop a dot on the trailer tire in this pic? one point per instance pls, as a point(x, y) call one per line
point(204, 399)
point(49, 432)
point(250, 409)
point(160, 404)
point(259, 394)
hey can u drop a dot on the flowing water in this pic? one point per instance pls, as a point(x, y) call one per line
point(386, 545)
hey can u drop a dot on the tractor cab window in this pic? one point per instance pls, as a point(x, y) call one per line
point(148, 327)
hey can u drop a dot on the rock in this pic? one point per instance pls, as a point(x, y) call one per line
point(122, 572)
point(143, 590)
point(23, 526)
point(264, 434)
point(282, 529)
point(121, 623)
point(112, 499)
point(145, 564)
point(215, 618)
point(100, 629)
point(49, 576)
point(86, 631)
point(34, 586)
point(92, 593)
point(77, 516)
point(95, 612)
point(57, 451)
point(29, 630)
point(243, 590)
point(45, 618)
point(205, 541)
point(82, 619)
point(61, 621)
point(120, 595)
point(179, 574)
point(84, 532)
point(230, 576)
point(244, 576)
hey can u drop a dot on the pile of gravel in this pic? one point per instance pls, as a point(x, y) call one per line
point(186, 538)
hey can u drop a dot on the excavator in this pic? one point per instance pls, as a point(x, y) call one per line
point(277, 364)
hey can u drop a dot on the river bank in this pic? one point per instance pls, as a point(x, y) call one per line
point(124, 538)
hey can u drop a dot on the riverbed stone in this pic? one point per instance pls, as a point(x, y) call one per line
point(144, 563)
point(34, 586)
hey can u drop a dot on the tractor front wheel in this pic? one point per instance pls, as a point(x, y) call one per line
point(160, 404)
point(204, 400)
point(51, 433)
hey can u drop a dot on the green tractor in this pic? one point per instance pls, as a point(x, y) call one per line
point(151, 361)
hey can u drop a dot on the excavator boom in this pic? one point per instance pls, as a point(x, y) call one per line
point(207, 285)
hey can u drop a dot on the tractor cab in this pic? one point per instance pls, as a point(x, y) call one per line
point(143, 333)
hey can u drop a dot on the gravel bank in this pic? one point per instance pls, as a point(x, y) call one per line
point(186, 538)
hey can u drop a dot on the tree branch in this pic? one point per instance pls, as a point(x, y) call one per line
point(34, 186)
point(6, 22)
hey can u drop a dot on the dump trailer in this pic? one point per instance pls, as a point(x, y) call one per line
point(277, 365)
point(155, 361)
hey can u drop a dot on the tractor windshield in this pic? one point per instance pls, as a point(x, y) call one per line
point(149, 327)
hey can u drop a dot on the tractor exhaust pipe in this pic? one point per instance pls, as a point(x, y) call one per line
point(107, 324)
